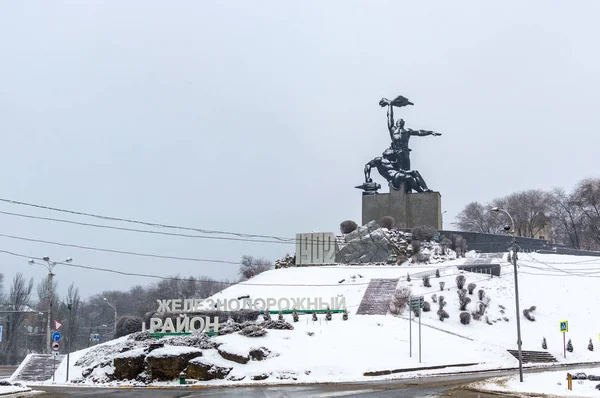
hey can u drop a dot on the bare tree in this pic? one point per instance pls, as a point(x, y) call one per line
point(11, 350)
point(529, 210)
point(568, 220)
point(74, 326)
point(476, 217)
point(587, 198)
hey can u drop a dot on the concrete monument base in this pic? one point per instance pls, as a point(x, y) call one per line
point(407, 209)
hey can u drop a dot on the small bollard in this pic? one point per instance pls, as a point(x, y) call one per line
point(569, 381)
point(182, 377)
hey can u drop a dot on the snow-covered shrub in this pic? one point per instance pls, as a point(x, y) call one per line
point(328, 314)
point(348, 226)
point(480, 311)
point(314, 316)
point(253, 266)
point(441, 302)
point(423, 233)
point(127, 325)
point(480, 294)
point(464, 301)
point(442, 284)
point(285, 262)
point(267, 316)
point(446, 243)
point(400, 300)
point(229, 327)
point(460, 281)
point(280, 325)
point(387, 222)
point(295, 315)
point(434, 298)
point(408, 277)
point(461, 292)
point(426, 282)
point(528, 315)
point(280, 316)
point(442, 315)
point(416, 246)
point(437, 273)
point(544, 345)
point(471, 287)
point(465, 318)
point(253, 331)
point(591, 346)
point(509, 258)
point(345, 315)
point(459, 245)
point(570, 346)
point(426, 306)
point(421, 258)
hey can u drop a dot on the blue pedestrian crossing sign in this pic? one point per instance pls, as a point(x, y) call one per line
point(564, 326)
point(55, 336)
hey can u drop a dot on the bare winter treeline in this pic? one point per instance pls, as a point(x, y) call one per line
point(569, 219)
point(23, 314)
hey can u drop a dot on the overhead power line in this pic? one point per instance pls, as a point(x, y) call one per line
point(141, 230)
point(147, 223)
point(178, 279)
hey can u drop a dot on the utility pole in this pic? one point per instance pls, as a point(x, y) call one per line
point(69, 328)
point(514, 261)
point(50, 266)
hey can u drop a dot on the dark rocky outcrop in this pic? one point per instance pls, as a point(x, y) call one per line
point(202, 369)
point(232, 356)
point(166, 364)
point(367, 244)
point(130, 365)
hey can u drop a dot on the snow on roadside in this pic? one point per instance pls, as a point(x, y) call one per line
point(12, 388)
point(550, 383)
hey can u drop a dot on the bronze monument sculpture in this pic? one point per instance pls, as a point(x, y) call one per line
point(394, 164)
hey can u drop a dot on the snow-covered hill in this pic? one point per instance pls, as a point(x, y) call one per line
point(560, 287)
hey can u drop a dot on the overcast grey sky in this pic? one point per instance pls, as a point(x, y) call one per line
point(258, 117)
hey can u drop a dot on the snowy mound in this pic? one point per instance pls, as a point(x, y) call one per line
point(473, 328)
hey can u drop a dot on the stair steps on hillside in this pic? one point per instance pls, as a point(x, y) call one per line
point(534, 356)
point(377, 297)
point(39, 367)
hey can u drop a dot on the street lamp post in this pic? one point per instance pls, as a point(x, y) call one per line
point(50, 266)
point(514, 260)
point(114, 308)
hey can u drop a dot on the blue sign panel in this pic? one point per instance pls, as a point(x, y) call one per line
point(55, 336)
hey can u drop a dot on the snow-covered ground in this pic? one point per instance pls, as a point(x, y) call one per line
point(560, 287)
point(549, 383)
point(13, 389)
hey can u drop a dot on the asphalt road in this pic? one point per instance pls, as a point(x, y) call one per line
point(427, 387)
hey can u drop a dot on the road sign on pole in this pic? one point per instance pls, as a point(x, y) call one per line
point(55, 346)
point(564, 328)
point(415, 304)
point(55, 336)
point(57, 325)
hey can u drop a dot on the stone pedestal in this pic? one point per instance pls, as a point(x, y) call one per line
point(407, 209)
